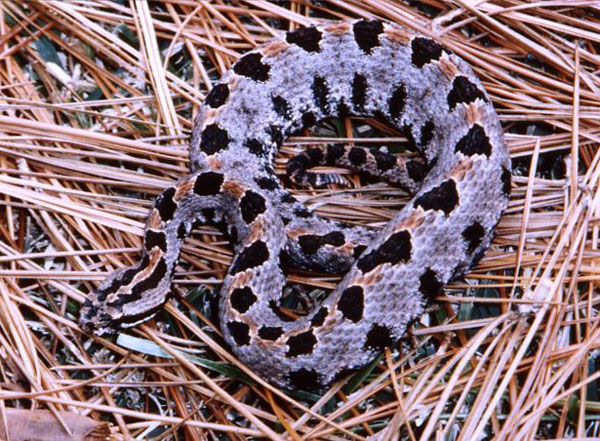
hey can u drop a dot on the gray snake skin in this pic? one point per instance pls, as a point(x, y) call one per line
point(460, 186)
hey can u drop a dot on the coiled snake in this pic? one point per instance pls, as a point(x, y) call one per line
point(460, 188)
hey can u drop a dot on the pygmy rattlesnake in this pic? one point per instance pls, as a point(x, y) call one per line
point(460, 188)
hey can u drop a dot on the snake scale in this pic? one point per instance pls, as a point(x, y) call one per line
point(459, 185)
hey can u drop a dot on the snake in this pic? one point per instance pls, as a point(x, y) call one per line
point(459, 184)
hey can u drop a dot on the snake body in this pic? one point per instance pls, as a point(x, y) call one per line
point(460, 188)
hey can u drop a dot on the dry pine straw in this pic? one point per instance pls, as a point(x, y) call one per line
point(96, 99)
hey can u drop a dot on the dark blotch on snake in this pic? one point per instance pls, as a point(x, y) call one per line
point(319, 318)
point(444, 197)
point(287, 198)
point(425, 50)
point(475, 142)
point(252, 256)
point(395, 249)
point(366, 34)
point(213, 139)
point(359, 91)
point(505, 178)
point(397, 101)
point(181, 231)
point(301, 344)
point(334, 152)
point(251, 205)
point(378, 338)
point(255, 147)
point(309, 243)
point(464, 91)
point(334, 238)
point(427, 133)
point(430, 285)
point(304, 379)
point(358, 250)
point(416, 170)
point(315, 156)
point(209, 214)
point(351, 303)
point(267, 183)
point(251, 66)
point(302, 212)
point(384, 161)
point(240, 332)
point(357, 156)
point(473, 234)
point(165, 205)
point(309, 119)
point(155, 239)
point(217, 96)
point(343, 110)
point(281, 107)
point(271, 333)
point(320, 92)
point(307, 38)
point(275, 132)
point(242, 299)
point(208, 184)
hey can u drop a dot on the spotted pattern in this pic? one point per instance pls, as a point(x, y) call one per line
point(301, 344)
point(214, 139)
point(252, 256)
point(252, 66)
point(458, 178)
point(311, 243)
point(217, 96)
point(242, 299)
point(251, 205)
point(473, 236)
point(396, 248)
point(281, 107)
point(366, 34)
point(320, 92)
point(475, 142)
point(506, 179)
point(396, 170)
point(357, 157)
point(307, 38)
point(270, 332)
point(208, 183)
point(155, 239)
point(255, 147)
point(427, 132)
point(351, 303)
point(464, 91)
point(444, 197)
point(240, 332)
point(396, 102)
point(304, 379)
point(359, 92)
point(430, 284)
point(319, 317)
point(378, 338)
point(424, 51)
point(165, 205)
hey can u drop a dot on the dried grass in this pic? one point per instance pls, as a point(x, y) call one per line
point(96, 99)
